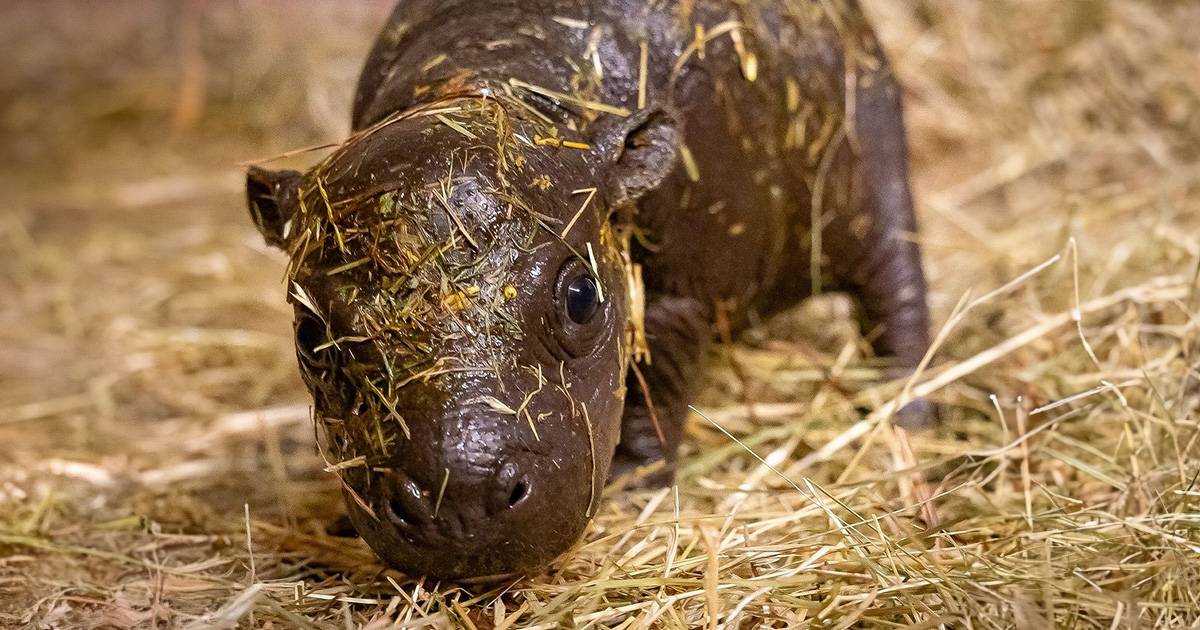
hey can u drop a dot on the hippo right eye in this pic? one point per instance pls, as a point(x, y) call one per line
point(310, 335)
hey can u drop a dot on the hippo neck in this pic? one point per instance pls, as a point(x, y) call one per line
point(433, 50)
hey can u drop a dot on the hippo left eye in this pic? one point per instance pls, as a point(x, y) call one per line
point(580, 310)
point(582, 299)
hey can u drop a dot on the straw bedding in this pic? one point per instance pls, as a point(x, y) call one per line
point(159, 464)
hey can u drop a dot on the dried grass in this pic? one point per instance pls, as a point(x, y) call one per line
point(148, 392)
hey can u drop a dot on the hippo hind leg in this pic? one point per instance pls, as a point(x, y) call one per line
point(879, 262)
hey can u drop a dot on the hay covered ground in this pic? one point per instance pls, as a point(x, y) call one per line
point(157, 466)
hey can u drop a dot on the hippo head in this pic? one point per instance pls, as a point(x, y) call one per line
point(465, 311)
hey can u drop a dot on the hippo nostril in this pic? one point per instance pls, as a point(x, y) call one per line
point(511, 488)
point(518, 494)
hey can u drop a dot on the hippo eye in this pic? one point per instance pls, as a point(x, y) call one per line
point(582, 299)
point(310, 334)
point(580, 310)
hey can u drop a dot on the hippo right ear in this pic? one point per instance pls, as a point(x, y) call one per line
point(643, 150)
point(271, 197)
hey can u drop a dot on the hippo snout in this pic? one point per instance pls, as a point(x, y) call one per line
point(472, 494)
point(473, 509)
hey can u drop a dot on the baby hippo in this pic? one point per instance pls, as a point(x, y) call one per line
point(506, 281)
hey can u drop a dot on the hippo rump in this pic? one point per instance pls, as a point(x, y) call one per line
point(506, 280)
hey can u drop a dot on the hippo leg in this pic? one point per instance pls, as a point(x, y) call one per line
point(679, 334)
point(877, 230)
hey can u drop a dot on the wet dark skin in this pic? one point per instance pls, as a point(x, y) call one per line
point(507, 280)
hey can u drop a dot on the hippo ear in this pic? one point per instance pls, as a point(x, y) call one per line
point(271, 197)
point(643, 150)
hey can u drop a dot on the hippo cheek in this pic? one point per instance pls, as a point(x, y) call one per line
point(515, 518)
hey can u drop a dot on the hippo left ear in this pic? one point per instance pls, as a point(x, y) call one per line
point(643, 150)
point(271, 197)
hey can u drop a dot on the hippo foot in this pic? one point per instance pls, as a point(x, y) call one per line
point(918, 414)
point(635, 473)
point(342, 527)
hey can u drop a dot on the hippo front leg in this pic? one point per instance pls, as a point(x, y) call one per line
point(658, 391)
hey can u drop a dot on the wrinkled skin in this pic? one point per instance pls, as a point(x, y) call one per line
point(526, 210)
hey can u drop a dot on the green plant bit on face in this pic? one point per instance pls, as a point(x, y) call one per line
point(387, 204)
point(392, 413)
point(329, 213)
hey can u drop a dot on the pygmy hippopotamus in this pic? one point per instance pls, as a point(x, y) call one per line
point(506, 280)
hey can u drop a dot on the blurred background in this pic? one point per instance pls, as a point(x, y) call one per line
point(124, 125)
point(148, 387)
